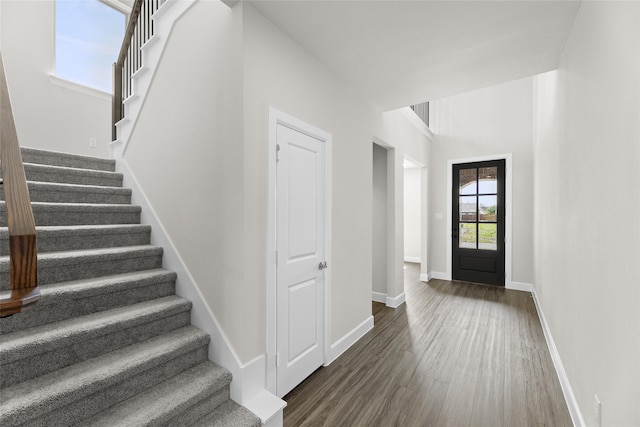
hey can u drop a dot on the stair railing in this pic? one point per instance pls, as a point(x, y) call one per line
point(139, 30)
point(23, 250)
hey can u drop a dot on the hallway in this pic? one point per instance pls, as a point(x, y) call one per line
point(454, 354)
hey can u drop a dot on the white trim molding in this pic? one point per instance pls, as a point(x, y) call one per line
point(425, 277)
point(508, 250)
point(397, 301)
point(567, 390)
point(390, 302)
point(414, 259)
point(439, 275)
point(277, 117)
point(349, 339)
point(519, 286)
point(379, 297)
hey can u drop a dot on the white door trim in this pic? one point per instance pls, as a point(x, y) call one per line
point(277, 117)
point(508, 247)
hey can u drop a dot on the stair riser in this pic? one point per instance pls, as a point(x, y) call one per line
point(200, 409)
point(30, 155)
point(55, 311)
point(72, 215)
point(42, 364)
point(40, 194)
point(57, 270)
point(81, 240)
point(90, 405)
point(70, 176)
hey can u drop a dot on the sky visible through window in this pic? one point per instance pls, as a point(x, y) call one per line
point(88, 38)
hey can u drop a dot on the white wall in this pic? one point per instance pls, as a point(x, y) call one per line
point(379, 213)
point(279, 73)
point(187, 153)
point(587, 204)
point(47, 116)
point(412, 214)
point(204, 164)
point(490, 121)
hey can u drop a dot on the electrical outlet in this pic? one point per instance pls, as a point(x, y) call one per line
point(597, 410)
point(93, 143)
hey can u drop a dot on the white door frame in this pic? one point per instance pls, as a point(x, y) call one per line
point(508, 246)
point(277, 117)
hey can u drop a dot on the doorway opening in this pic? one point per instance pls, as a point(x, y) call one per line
point(415, 218)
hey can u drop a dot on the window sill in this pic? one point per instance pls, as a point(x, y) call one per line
point(57, 81)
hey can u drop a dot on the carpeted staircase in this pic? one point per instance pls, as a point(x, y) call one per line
point(109, 344)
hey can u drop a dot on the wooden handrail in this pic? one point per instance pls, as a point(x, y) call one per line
point(139, 30)
point(23, 252)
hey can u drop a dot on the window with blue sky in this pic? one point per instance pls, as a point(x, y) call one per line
point(88, 38)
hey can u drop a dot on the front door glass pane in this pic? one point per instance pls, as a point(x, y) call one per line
point(467, 236)
point(488, 208)
point(488, 236)
point(488, 178)
point(467, 208)
point(468, 178)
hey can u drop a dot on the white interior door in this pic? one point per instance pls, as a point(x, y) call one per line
point(300, 240)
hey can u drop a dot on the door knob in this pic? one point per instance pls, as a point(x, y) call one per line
point(322, 265)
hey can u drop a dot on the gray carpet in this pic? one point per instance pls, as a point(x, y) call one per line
point(109, 344)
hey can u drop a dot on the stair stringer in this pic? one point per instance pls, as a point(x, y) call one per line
point(248, 386)
point(163, 19)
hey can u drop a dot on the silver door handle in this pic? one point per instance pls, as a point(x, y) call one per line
point(322, 265)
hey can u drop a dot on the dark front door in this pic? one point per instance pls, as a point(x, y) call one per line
point(478, 222)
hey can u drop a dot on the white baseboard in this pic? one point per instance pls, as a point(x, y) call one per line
point(349, 339)
point(396, 302)
point(520, 286)
point(569, 396)
point(415, 259)
point(439, 275)
point(425, 277)
point(379, 297)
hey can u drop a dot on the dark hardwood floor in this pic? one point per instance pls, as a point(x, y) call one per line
point(456, 354)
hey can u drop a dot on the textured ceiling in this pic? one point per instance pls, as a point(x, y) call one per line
point(398, 53)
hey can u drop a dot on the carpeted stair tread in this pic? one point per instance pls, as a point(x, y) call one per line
point(77, 289)
point(229, 414)
point(80, 237)
point(49, 337)
point(158, 405)
point(54, 158)
point(55, 267)
point(61, 174)
point(79, 214)
point(33, 398)
point(75, 193)
point(64, 300)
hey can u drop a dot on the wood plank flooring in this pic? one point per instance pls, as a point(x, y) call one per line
point(456, 354)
